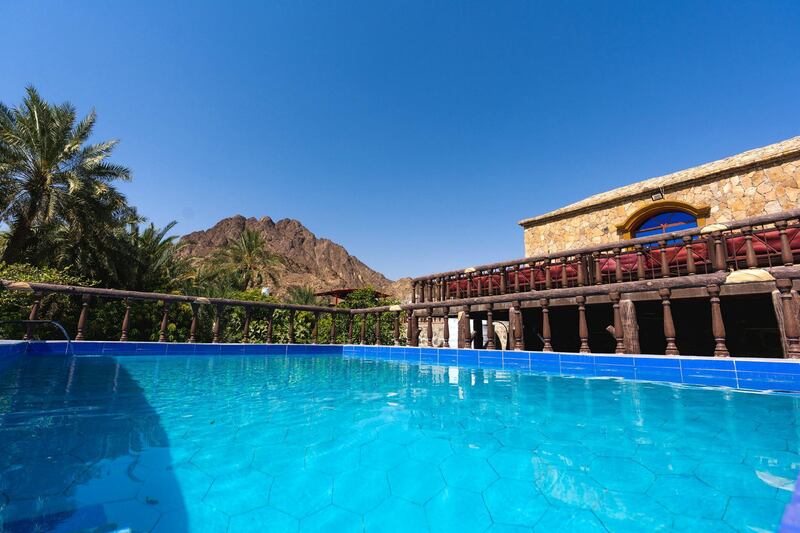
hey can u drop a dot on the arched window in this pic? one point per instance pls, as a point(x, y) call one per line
point(666, 222)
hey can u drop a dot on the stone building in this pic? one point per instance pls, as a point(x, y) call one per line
point(761, 181)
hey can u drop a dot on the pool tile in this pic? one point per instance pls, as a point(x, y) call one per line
point(430, 449)
point(620, 371)
point(657, 362)
point(711, 364)
point(332, 518)
point(454, 509)
point(686, 495)
point(395, 515)
point(301, 493)
point(134, 516)
point(467, 472)
point(415, 481)
point(568, 520)
point(753, 514)
point(255, 521)
point(621, 475)
point(349, 493)
point(514, 464)
point(515, 502)
point(382, 455)
point(226, 494)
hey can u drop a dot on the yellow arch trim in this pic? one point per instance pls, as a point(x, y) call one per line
point(633, 222)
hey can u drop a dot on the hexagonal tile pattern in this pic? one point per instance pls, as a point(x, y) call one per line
point(332, 518)
point(455, 509)
point(395, 515)
point(622, 475)
point(360, 490)
point(301, 493)
point(227, 496)
point(468, 472)
point(415, 481)
point(263, 519)
point(515, 503)
point(382, 455)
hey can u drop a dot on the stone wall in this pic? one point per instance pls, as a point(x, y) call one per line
point(751, 188)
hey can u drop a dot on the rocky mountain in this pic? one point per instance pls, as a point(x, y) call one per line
point(309, 261)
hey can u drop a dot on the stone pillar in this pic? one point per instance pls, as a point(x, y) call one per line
point(790, 325)
point(464, 336)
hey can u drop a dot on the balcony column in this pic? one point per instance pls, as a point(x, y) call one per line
point(411, 328)
point(217, 324)
point(640, 273)
point(83, 317)
point(598, 269)
point(315, 328)
point(717, 325)
point(464, 337)
point(193, 326)
point(687, 244)
point(246, 325)
point(664, 261)
point(413, 292)
point(548, 274)
point(34, 315)
point(790, 326)
point(270, 319)
point(583, 328)
point(429, 327)
point(489, 329)
point(332, 331)
point(162, 332)
point(362, 339)
point(669, 325)
point(126, 321)
point(619, 332)
point(564, 279)
point(446, 327)
point(581, 271)
point(503, 280)
point(291, 326)
point(617, 266)
point(396, 332)
point(750, 253)
point(719, 252)
point(546, 336)
point(447, 287)
point(516, 317)
point(786, 250)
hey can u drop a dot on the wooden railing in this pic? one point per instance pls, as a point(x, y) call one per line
point(764, 241)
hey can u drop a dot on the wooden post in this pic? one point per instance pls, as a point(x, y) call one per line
point(84, 316)
point(581, 271)
point(489, 329)
point(363, 331)
point(598, 269)
point(516, 279)
point(464, 337)
point(270, 319)
point(193, 327)
point(162, 332)
point(640, 273)
point(516, 316)
point(217, 324)
point(790, 325)
point(126, 320)
point(548, 275)
point(447, 288)
point(315, 328)
point(246, 325)
point(34, 315)
point(411, 333)
point(332, 331)
point(396, 332)
point(750, 253)
point(564, 272)
point(291, 326)
point(617, 266)
point(413, 292)
point(429, 327)
point(446, 327)
point(619, 332)
point(717, 325)
point(719, 252)
point(664, 261)
point(669, 325)
point(378, 328)
point(503, 280)
point(583, 328)
point(786, 250)
point(350, 328)
point(545, 305)
point(687, 243)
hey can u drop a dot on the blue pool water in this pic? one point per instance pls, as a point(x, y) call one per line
point(326, 443)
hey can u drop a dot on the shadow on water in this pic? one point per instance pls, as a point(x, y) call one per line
point(82, 449)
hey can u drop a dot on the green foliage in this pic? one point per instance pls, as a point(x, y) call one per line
point(299, 295)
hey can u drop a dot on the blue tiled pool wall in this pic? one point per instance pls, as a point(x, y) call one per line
point(10, 351)
point(747, 374)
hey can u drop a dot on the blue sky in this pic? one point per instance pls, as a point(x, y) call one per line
point(416, 134)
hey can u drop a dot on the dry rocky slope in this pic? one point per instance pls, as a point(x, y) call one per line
point(309, 261)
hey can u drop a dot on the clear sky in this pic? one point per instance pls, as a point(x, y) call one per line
point(416, 134)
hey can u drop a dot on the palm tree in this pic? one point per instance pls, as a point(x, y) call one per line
point(249, 258)
point(154, 263)
point(51, 177)
point(299, 295)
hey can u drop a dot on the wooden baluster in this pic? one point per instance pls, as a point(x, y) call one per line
point(193, 327)
point(489, 329)
point(581, 271)
point(446, 327)
point(717, 325)
point(458, 286)
point(429, 327)
point(126, 321)
point(479, 287)
point(619, 332)
point(410, 333)
point(447, 288)
point(270, 319)
point(617, 266)
point(583, 328)
point(563, 271)
point(750, 253)
point(350, 328)
point(363, 330)
point(464, 337)
point(640, 273)
point(396, 332)
point(34, 315)
point(664, 260)
point(516, 279)
point(413, 292)
point(719, 252)
point(378, 328)
point(545, 305)
point(503, 280)
point(246, 325)
point(82, 319)
point(332, 331)
point(669, 325)
point(516, 316)
point(291, 326)
point(790, 326)
point(687, 244)
point(786, 250)
point(217, 324)
point(162, 332)
point(442, 289)
point(548, 275)
point(598, 268)
point(421, 291)
point(315, 328)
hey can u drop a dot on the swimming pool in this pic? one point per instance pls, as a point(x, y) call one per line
point(327, 442)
